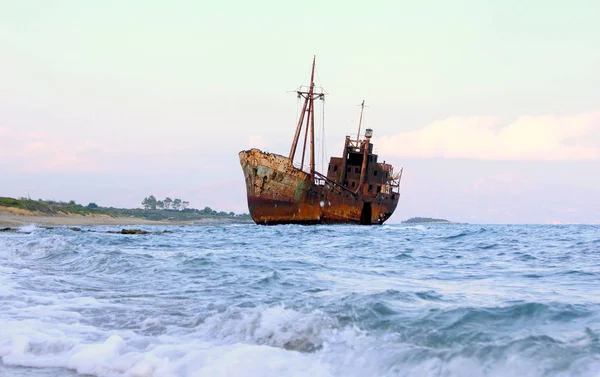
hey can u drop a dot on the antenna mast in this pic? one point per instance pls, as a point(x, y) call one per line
point(362, 108)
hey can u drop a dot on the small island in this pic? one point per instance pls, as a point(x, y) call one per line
point(426, 220)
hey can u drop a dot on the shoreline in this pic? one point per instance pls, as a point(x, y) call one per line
point(8, 219)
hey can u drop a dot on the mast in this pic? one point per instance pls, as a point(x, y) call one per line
point(362, 108)
point(307, 113)
point(312, 137)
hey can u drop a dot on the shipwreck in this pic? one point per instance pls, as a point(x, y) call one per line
point(357, 189)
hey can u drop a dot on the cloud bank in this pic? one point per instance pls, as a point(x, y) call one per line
point(533, 138)
point(46, 152)
point(53, 152)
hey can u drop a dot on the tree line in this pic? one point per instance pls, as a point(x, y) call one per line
point(177, 204)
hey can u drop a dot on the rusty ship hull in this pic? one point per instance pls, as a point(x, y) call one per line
point(280, 193)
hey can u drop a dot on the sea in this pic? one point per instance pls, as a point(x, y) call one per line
point(246, 300)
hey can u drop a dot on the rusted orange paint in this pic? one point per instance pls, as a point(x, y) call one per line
point(279, 193)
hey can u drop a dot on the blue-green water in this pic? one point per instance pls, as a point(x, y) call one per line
point(246, 300)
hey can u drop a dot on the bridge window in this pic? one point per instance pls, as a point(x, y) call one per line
point(375, 173)
point(370, 187)
point(356, 170)
point(334, 167)
point(378, 188)
point(353, 183)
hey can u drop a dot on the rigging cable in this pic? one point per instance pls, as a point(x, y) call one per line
point(297, 107)
point(323, 144)
point(297, 111)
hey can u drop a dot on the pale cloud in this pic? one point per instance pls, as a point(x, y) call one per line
point(510, 183)
point(59, 162)
point(544, 137)
point(41, 152)
point(35, 145)
point(4, 130)
point(35, 135)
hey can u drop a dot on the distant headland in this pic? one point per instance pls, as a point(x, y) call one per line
point(426, 220)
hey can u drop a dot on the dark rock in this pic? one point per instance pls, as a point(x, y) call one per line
point(129, 231)
point(12, 230)
point(133, 231)
point(75, 229)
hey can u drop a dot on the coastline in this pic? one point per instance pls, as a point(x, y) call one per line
point(8, 219)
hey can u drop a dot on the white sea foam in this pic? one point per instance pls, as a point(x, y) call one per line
point(30, 228)
point(121, 355)
point(277, 327)
point(117, 356)
point(7, 286)
point(393, 227)
point(422, 228)
point(250, 342)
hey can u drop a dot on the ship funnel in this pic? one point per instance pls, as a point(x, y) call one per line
point(368, 133)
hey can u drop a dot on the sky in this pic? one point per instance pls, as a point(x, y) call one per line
point(491, 107)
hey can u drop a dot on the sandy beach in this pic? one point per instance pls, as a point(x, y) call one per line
point(13, 220)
